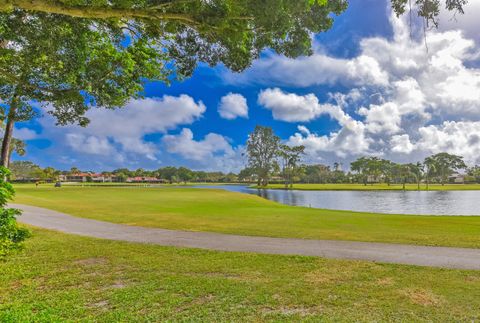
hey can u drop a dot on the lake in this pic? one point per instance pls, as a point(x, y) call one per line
point(393, 202)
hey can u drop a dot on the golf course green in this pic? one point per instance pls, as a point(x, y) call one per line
point(227, 212)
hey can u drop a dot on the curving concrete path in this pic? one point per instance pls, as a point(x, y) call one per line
point(460, 258)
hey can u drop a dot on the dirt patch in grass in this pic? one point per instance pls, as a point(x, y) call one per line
point(16, 285)
point(244, 277)
point(204, 299)
point(118, 285)
point(102, 305)
point(473, 278)
point(91, 261)
point(386, 281)
point(290, 311)
point(422, 297)
point(328, 277)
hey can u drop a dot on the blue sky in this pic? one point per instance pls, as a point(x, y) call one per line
point(369, 89)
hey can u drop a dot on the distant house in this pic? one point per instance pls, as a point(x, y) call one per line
point(375, 179)
point(106, 178)
point(144, 179)
point(26, 179)
point(86, 177)
point(456, 178)
point(78, 177)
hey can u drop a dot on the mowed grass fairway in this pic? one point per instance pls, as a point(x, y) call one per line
point(378, 187)
point(226, 212)
point(63, 277)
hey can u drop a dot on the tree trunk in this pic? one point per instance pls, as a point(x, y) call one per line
point(57, 7)
point(8, 135)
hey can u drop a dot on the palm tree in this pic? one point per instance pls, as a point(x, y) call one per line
point(430, 168)
point(417, 171)
point(283, 154)
point(404, 171)
point(290, 157)
point(74, 170)
point(50, 173)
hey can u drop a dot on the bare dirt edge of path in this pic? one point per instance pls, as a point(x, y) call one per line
point(443, 257)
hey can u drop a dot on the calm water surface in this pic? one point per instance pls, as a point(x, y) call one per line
point(394, 202)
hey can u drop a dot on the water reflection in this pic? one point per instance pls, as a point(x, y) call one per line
point(393, 202)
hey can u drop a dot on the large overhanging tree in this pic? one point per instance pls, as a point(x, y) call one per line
point(71, 55)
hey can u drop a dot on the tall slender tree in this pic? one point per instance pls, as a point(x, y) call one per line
point(429, 170)
point(262, 151)
point(290, 157)
point(403, 171)
point(417, 171)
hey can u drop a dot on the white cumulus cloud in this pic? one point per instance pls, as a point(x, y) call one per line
point(317, 69)
point(122, 131)
point(349, 141)
point(25, 133)
point(291, 107)
point(461, 138)
point(213, 152)
point(184, 145)
point(232, 106)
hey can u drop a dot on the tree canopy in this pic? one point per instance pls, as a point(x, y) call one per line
point(445, 164)
point(71, 55)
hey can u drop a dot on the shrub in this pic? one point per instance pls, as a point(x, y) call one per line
point(11, 235)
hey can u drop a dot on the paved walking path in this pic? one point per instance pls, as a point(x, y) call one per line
point(461, 258)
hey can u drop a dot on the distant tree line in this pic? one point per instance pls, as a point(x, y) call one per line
point(284, 168)
point(434, 169)
point(28, 171)
point(269, 160)
point(176, 175)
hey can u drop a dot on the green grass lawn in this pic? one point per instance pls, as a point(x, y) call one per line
point(381, 187)
point(70, 278)
point(235, 213)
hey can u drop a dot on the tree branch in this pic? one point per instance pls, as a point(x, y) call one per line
point(55, 7)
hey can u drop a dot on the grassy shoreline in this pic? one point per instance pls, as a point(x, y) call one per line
point(301, 187)
point(63, 277)
point(234, 213)
point(376, 187)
